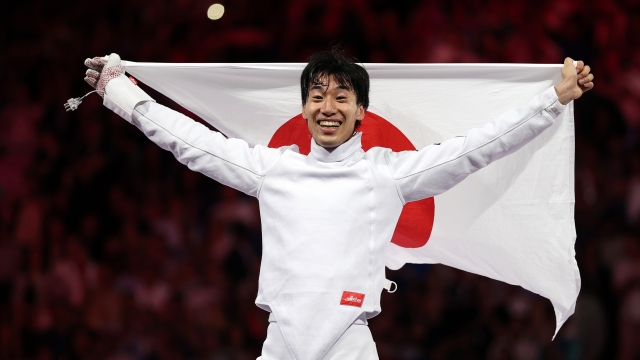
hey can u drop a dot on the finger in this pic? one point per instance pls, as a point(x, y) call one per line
point(96, 63)
point(579, 66)
point(92, 64)
point(586, 79)
point(585, 71)
point(114, 60)
point(92, 74)
point(91, 81)
point(568, 63)
point(586, 87)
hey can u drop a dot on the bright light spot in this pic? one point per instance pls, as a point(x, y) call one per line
point(215, 11)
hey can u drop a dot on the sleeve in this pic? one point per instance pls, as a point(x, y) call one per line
point(437, 168)
point(231, 162)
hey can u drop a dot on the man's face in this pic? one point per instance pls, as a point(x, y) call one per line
point(331, 112)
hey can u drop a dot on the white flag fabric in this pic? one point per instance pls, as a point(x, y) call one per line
point(512, 221)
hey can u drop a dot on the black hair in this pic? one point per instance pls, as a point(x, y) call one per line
point(344, 70)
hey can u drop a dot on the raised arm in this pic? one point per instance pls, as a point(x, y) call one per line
point(232, 162)
point(436, 168)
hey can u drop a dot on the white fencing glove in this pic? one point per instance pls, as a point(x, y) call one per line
point(120, 94)
point(94, 73)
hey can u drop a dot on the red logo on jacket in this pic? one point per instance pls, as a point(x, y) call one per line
point(352, 299)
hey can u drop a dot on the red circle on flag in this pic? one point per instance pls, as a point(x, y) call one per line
point(416, 220)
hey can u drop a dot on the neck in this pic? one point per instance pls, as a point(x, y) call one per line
point(337, 153)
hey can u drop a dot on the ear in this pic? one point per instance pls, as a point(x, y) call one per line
point(360, 112)
point(303, 115)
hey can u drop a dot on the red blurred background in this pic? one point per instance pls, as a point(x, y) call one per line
point(110, 249)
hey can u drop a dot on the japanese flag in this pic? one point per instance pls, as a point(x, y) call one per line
point(511, 221)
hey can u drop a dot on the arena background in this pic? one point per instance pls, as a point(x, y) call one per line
point(110, 249)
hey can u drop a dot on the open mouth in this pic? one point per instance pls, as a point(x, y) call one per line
point(330, 124)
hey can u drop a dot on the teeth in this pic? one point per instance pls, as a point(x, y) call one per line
point(329, 123)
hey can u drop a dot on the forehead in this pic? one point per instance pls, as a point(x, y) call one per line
point(326, 83)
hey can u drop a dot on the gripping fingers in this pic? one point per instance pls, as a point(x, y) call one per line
point(97, 63)
point(585, 71)
point(586, 83)
point(91, 81)
point(585, 80)
point(93, 74)
point(92, 78)
point(587, 86)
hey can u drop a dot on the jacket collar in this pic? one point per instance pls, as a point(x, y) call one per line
point(338, 153)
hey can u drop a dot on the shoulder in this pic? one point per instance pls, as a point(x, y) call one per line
point(270, 155)
point(377, 155)
point(292, 147)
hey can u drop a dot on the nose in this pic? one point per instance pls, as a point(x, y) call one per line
point(328, 107)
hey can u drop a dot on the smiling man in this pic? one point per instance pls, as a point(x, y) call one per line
point(332, 112)
point(328, 217)
point(335, 95)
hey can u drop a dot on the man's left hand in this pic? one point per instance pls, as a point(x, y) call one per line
point(575, 81)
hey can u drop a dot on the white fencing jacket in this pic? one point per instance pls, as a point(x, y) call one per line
point(327, 217)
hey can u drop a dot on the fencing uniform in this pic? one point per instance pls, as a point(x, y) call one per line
point(354, 344)
point(328, 217)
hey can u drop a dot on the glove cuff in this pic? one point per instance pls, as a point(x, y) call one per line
point(108, 74)
point(122, 96)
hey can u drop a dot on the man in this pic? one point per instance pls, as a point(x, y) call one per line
point(327, 217)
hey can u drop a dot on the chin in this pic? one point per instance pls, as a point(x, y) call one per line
point(331, 143)
point(329, 140)
point(327, 144)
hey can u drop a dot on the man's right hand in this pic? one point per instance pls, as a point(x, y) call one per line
point(124, 94)
point(102, 70)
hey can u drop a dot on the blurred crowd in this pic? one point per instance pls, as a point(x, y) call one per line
point(110, 249)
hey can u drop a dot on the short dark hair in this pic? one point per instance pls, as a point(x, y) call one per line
point(344, 70)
